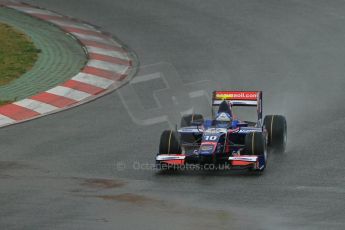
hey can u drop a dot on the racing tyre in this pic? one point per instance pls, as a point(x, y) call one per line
point(187, 120)
point(255, 144)
point(169, 143)
point(277, 131)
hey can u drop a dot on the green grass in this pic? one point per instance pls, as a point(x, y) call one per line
point(4, 102)
point(17, 55)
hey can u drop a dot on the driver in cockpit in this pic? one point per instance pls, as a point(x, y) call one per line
point(224, 118)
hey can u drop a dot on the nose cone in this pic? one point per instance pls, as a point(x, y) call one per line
point(206, 149)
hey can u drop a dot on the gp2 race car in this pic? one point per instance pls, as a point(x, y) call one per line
point(224, 139)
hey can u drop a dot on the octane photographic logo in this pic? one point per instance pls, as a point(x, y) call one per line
point(140, 166)
point(158, 94)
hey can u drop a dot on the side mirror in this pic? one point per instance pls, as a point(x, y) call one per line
point(197, 123)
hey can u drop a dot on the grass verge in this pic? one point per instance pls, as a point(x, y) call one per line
point(17, 55)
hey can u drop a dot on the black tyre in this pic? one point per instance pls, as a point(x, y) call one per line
point(187, 120)
point(277, 132)
point(169, 143)
point(255, 144)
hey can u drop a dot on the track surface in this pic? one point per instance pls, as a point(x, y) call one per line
point(293, 50)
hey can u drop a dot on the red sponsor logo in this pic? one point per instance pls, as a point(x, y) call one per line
point(236, 95)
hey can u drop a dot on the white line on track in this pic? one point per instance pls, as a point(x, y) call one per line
point(147, 77)
point(36, 106)
point(72, 24)
point(5, 120)
point(69, 93)
point(95, 38)
point(121, 69)
point(106, 52)
point(30, 10)
point(93, 80)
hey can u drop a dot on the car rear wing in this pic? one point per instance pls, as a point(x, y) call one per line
point(239, 98)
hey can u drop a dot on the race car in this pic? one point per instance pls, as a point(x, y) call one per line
point(224, 139)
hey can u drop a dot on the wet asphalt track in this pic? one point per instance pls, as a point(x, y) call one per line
point(59, 172)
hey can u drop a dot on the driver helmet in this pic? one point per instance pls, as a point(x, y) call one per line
point(223, 119)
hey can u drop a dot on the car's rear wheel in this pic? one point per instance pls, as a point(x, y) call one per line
point(169, 143)
point(255, 144)
point(187, 120)
point(277, 132)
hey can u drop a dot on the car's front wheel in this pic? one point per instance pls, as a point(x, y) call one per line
point(255, 144)
point(169, 143)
